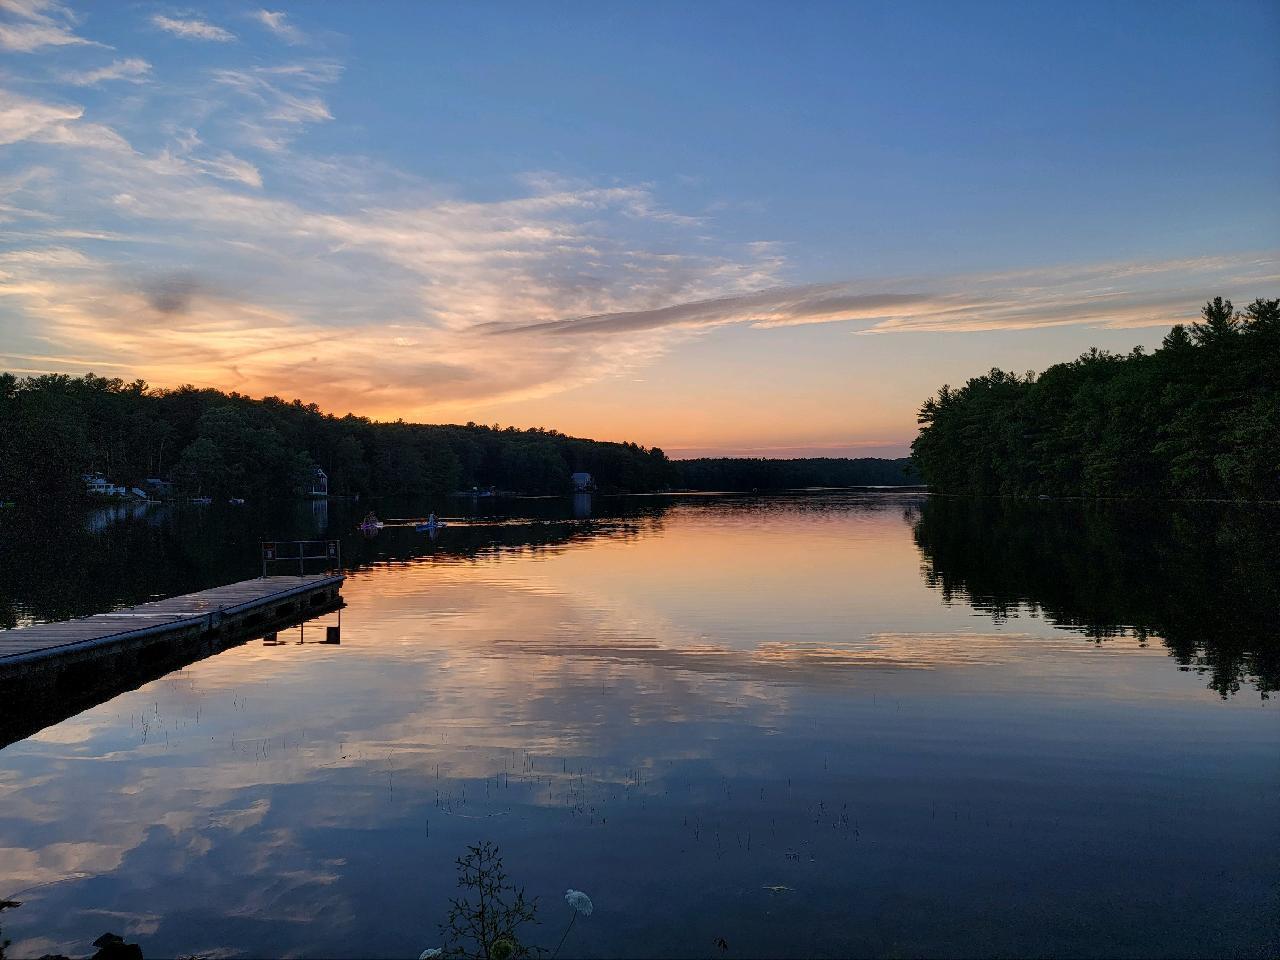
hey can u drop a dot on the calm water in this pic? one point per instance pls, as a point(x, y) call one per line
point(821, 724)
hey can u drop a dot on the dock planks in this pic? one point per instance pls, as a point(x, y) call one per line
point(192, 613)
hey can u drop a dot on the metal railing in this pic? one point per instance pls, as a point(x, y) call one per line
point(301, 552)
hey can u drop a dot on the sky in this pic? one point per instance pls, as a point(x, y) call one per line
point(720, 228)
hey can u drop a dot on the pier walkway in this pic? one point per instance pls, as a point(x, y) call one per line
point(235, 608)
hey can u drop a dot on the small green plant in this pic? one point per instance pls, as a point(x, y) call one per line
point(487, 927)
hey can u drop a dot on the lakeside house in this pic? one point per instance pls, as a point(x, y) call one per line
point(319, 484)
point(582, 482)
point(95, 484)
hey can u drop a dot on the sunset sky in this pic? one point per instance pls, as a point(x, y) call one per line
point(766, 229)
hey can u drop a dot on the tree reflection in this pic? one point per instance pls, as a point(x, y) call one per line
point(1201, 579)
point(78, 564)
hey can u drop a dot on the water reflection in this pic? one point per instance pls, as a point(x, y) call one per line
point(747, 719)
point(118, 556)
point(1202, 580)
point(320, 517)
point(34, 702)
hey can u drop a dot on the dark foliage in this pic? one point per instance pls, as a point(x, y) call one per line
point(1198, 418)
point(488, 927)
point(753, 473)
point(54, 428)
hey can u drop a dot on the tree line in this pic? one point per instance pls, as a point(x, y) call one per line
point(55, 428)
point(1199, 417)
point(756, 473)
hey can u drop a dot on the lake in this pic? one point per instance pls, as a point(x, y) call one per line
point(822, 724)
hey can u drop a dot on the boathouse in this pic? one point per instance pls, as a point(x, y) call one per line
point(99, 486)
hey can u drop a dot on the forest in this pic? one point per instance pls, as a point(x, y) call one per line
point(1197, 418)
point(55, 428)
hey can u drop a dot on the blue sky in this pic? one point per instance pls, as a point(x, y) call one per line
point(627, 220)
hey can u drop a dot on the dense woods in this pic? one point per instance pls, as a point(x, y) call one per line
point(55, 428)
point(754, 473)
point(1197, 418)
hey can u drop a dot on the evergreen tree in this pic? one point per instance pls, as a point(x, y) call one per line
point(1198, 418)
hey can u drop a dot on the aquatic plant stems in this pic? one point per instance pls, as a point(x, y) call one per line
point(572, 917)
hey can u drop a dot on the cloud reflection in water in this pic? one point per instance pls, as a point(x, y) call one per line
point(677, 711)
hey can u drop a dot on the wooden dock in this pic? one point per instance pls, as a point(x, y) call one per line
point(49, 671)
point(247, 604)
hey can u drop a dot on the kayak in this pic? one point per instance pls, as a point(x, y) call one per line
point(429, 527)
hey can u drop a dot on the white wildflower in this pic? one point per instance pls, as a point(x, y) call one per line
point(430, 953)
point(579, 901)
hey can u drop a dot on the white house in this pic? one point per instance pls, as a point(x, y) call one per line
point(99, 486)
point(581, 482)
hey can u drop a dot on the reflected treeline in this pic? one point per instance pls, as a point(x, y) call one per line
point(81, 564)
point(77, 565)
point(1201, 579)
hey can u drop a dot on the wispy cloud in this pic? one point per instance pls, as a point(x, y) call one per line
point(30, 25)
point(281, 98)
point(1115, 295)
point(227, 166)
point(188, 153)
point(277, 22)
point(378, 307)
point(382, 305)
point(132, 69)
point(193, 241)
point(428, 306)
point(22, 118)
point(190, 28)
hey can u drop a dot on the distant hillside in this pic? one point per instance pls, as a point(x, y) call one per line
point(757, 473)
